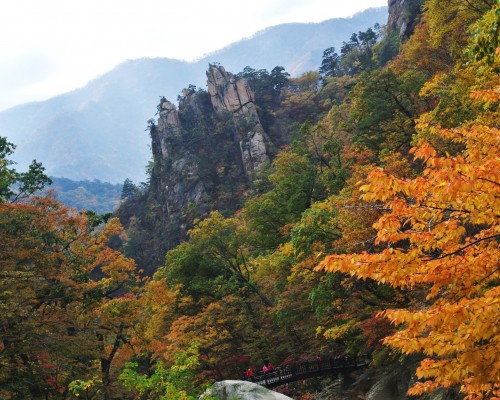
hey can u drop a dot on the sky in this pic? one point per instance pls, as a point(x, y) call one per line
point(48, 47)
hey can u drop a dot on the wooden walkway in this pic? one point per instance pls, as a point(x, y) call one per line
point(308, 369)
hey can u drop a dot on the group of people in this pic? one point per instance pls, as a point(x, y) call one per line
point(267, 367)
point(341, 359)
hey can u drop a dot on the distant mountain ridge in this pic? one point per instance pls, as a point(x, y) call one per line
point(98, 131)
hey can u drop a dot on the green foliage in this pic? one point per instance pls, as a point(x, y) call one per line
point(387, 48)
point(330, 65)
point(95, 219)
point(7, 175)
point(279, 78)
point(174, 383)
point(325, 292)
point(16, 185)
point(356, 55)
point(383, 109)
point(316, 226)
point(364, 52)
point(129, 189)
point(485, 38)
point(85, 390)
point(186, 264)
point(213, 262)
point(294, 188)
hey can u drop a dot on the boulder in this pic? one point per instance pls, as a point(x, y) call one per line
point(392, 386)
point(241, 390)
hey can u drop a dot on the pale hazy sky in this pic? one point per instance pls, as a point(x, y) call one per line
point(48, 47)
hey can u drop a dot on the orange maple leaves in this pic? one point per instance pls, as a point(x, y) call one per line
point(442, 234)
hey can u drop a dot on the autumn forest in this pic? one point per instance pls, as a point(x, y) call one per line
point(373, 230)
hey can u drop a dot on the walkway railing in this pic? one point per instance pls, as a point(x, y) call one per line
point(308, 369)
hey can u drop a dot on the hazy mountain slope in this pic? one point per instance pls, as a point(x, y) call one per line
point(97, 132)
point(297, 47)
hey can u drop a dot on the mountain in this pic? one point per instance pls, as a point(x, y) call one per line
point(98, 131)
point(297, 47)
point(97, 196)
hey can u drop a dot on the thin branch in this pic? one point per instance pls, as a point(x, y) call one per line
point(462, 248)
point(471, 6)
point(490, 181)
point(374, 207)
point(372, 239)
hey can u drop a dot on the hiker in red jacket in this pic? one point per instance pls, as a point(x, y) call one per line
point(248, 373)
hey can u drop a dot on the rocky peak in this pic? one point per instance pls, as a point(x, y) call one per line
point(404, 16)
point(169, 118)
point(169, 126)
point(231, 94)
point(194, 103)
point(206, 149)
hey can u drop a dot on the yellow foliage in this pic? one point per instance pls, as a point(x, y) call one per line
point(339, 331)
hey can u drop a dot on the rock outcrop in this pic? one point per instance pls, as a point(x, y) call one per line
point(230, 94)
point(176, 175)
point(404, 16)
point(381, 383)
point(393, 385)
point(207, 149)
point(169, 127)
point(241, 390)
point(205, 155)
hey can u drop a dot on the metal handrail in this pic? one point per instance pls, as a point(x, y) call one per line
point(308, 369)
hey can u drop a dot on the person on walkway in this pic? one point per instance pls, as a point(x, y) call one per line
point(319, 361)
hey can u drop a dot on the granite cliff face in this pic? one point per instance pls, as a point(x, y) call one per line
point(176, 176)
point(404, 16)
point(207, 149)
point(233, 95)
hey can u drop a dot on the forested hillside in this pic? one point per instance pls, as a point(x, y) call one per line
point(351, 211)
point(100, 197)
